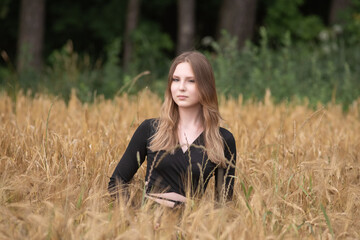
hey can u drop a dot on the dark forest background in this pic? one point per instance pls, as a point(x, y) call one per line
point(299, 49)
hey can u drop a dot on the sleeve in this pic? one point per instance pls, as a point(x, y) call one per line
point(228, 174)
point(132, 158)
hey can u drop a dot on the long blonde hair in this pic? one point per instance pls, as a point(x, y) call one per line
point(165, 137)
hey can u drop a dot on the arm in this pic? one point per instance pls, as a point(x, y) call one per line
point(132, 158)
point(227, 175)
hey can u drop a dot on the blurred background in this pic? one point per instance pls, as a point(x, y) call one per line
point(302, 50)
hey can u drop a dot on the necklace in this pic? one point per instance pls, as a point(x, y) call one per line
point(188, 137)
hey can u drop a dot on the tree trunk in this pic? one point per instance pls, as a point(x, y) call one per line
point(186, 25)
point(337, 6)
point(31, 34)
point(237, 17)
point(132, 18)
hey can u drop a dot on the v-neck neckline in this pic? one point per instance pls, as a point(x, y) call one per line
point(187, 149)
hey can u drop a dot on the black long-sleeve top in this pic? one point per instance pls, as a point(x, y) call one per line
point(167, 172)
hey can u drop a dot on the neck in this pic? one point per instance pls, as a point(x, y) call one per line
point(190, 117)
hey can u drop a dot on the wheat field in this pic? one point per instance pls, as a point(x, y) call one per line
point(297, 172)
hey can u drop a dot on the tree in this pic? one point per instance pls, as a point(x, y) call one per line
point(238, 18)
point(186, 25)
point(31, 34)
point(132, 17)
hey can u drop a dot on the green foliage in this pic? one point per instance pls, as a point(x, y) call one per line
point(291, 71)
point(150, 51)
point(8, 82)
point(69, 70)
point(12, 81)
point(349, 25)
point(111, 71)
point(151, 48)
point(89, 24)
point(284, 16)
point(226, 63)
point(247, 193)
point(322, 72)
point(66, 69)
point(327, 219)
point(4, 8)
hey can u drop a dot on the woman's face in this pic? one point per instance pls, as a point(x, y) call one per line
point(184, 89)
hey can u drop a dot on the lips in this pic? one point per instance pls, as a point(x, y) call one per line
point(181, 97)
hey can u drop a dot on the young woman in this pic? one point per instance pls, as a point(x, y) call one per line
point(185, 146)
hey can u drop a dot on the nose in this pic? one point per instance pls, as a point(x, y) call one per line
point(182, 85)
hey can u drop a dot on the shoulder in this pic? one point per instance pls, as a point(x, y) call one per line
point(229, 143)
point(227, 135)
point(148, 122)
point(148, 125)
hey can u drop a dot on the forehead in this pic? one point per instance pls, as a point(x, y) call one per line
point(184, 69)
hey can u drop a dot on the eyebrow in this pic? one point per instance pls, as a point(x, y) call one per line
point(175, 76)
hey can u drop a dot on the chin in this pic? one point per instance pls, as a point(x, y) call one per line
point(182, 105)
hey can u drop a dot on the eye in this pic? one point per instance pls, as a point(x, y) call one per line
point(175, 79)
point(192, 80)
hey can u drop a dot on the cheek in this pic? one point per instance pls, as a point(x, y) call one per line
point(196, 92)
point(173, 89)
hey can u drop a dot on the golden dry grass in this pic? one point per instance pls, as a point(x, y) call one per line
point(298, 173)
